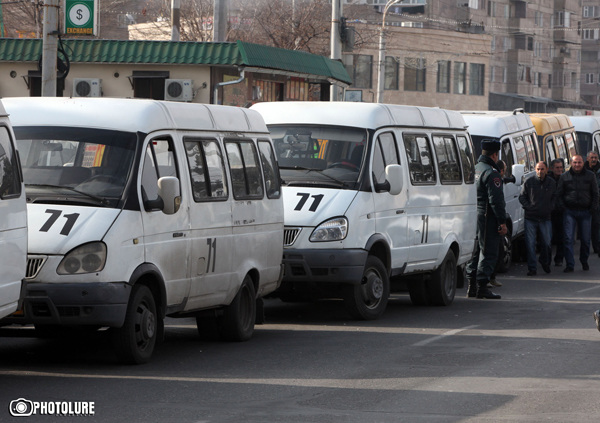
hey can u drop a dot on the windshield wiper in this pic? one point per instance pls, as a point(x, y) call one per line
point(319, 171)
point(101, 200)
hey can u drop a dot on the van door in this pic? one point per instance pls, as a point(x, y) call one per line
point(211, 222)
point(390, 210)
point(13, 226)
point(166, 237)
point(512, 190)
point(422, 202)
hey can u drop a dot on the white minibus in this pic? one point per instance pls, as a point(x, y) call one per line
point(13, 221)
point(141, 209)
point(520, 153)
point(373, 193)
point(588, 133)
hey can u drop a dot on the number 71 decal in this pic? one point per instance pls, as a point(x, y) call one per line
point(55, 214)
point(313, 206)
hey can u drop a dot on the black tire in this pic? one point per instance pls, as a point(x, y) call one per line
point(368, 300)
point(237, 322)
point(505, 254)
point(419, 295)
point(442, 284)
point(134, 342)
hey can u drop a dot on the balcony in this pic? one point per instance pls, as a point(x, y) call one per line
point(521, 25)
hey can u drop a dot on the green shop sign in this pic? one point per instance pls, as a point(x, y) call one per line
point(81, 17)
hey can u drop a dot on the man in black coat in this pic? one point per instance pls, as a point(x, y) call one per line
point(593, 165)
point(538, 194)
point(557, 168)
point(577, 197)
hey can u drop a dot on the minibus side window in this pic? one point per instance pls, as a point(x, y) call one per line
point(447, 159)
point(206, 170)
point(245, 173)
point(571, 144)
point(466, 156)
point(270, 170)
point(562, 150)
point(508, 158)
point(531, 157)
point(596, 142)
point(149, 176)
point(521, 153)
point(385, 153)
point(159, 161)
point(420, 163)
point(10, 178)
point(550, 151)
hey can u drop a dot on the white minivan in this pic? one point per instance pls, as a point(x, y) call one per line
point(520, 152)
point(141, 209)
point(372, 193)
point(13, 220)
point(588, 133)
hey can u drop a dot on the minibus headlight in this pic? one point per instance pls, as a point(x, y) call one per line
point(87, 258)
point(331, 230)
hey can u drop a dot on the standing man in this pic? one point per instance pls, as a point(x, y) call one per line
point(538, 195)
point(593, 165)
point(577, 197)
point(491, 221)
point(557, 167)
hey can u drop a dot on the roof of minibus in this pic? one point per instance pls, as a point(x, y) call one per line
point(496, 123)
point(359, 115)
point(130, 115)
point(589, 124)
point(546, 123)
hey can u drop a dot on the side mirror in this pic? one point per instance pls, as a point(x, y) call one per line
point(168, 190)
point(393, 175)
point(518, 171)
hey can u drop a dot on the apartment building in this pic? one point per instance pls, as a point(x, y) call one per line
point(590, 52)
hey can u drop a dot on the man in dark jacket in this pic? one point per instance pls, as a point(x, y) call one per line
point(557, 168)
point(538, 194)
point(577, 196)
point(593, 165)
point(491, 221)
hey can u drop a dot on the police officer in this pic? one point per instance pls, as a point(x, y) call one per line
point(491, 221)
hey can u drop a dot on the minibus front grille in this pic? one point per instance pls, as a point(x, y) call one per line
point(290, 235)
point(34, 264)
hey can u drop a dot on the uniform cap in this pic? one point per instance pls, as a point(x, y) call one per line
point(490, 145)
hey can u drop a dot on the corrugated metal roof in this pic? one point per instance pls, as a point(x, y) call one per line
point(182, 52)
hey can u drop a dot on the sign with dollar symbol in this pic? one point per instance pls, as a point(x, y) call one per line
point(80, 17)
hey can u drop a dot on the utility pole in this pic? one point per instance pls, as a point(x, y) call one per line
point(50, 46)
point(336, 44)
point(381, 62)
point(175, 19)
point(219, 20)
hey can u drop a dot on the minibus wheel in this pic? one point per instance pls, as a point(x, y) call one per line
point(505, 254)
point(134, 341)
point(442, 285)
point(368, 299)
point(237, 322)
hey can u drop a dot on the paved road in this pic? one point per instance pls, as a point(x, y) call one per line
point(532, 356)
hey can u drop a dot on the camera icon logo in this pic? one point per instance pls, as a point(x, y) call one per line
point(21, 407)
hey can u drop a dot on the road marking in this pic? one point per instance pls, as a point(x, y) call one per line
point(443, 335)
point(589, 289)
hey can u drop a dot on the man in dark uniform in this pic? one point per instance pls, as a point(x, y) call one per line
point(491, 221)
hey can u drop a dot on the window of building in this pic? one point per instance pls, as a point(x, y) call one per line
point(493, 46)
point(10, 176)
point(591, 34)
point(492, 74)
point(244, 169)
point(536, 79)
point(391, 74)
point(447, 159)
point(473, 4)
point(589, 78)
point(504, 75)
point(573, 79)
point(414, 74)
point(460, 78)
point(530, 43)
point(524, 73)
point(539, 19)
point(589, 11)
point(207, 171)
point(491, 11)
point(507, 43)
point(549, 80)
point(562, 19)
point(263, 90)
point(551, 52)
point(420, 164)
point(149, 84)
point(443, 76)
point(476, 78)
point(363, 71)
point(34, 84)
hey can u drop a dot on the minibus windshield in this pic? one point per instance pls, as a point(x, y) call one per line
point(317, 154)
point(76, 165)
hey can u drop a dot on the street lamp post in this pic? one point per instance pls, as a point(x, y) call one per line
point(381, 64)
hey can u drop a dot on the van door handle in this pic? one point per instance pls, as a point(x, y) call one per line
point(177, 234)
point(399, 211)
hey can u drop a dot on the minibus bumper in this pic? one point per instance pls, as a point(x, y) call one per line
point(96, 304)
point(335, 266)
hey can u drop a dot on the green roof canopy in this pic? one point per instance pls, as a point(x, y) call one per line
point(181, 52)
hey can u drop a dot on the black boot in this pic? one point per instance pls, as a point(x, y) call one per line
point(472, 290)
point(484, 292)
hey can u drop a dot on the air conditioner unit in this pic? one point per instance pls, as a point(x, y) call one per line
point(179, 89)
point(87, 87)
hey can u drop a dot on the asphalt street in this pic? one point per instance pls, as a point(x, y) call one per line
point(530, 357)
